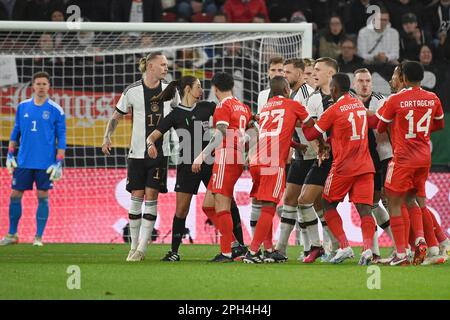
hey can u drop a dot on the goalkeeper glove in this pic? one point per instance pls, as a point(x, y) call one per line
point(10, 161)
point(55, 170)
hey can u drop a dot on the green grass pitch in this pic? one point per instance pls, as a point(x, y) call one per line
point(28, 272)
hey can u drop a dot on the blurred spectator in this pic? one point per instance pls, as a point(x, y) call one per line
point(98, 10)
point(322, 11)
point(331, 37)
point(258, 19)
point(220, 18)
point(169, 10)
point(435, 75)
point(437, 20)
point(245, 10)
point(57, 15)
point(12, 9)
point(41, 10)
point(187, 9)
point(358, 16)
point(438, 24)
point(379, 46)
point(298, 17)
point(348, 60)
point(281, 10)
point(411, 37)
point(136, 10)
point(398, 8)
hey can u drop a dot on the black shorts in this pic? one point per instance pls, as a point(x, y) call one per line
point(188, 181)
point(299, 170)
point(150, 173)
point(380, 174)
point(318, 175)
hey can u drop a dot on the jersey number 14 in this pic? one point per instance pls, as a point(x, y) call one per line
point(420, 127)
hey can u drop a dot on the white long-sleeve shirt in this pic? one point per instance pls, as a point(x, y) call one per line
point(389, 44)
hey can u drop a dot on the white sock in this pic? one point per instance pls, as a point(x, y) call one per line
point(375, 246)
point(254, 216)
point(305, 237)
point(289, 213)
point(312, 224)
point(382, 218)
point(298, 234)
point(148, 222)
point(135, 224)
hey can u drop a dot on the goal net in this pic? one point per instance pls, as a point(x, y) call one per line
point(89, 69)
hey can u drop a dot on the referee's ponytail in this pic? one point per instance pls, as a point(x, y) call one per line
point(177, 85)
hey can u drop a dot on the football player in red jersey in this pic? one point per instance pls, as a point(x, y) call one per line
point(231, 118)
point(352, 169)
point(277, 121)
point(413, 113)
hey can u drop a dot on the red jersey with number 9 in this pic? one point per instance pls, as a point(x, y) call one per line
point(236, 115)
point(347, 120)
point(277, 121)
point(411, 111)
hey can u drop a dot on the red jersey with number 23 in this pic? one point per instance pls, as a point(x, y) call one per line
point(277, 121)
point(236, 115)
point(347, 120)
point(411, 111)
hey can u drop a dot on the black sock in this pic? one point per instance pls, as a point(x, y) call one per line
point(237, 227)
point(178, 226)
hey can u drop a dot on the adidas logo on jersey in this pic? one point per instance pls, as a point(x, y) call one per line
point(26, 115)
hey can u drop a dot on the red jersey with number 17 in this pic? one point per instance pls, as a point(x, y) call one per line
point(411, 111)
point(277, 121)
point(236, 115)
point(347, 120)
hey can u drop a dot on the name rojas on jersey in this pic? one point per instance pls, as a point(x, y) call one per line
point(133, 98)
point(384, 147)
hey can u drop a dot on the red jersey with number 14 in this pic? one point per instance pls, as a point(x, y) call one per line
point(277, 121)
point(347, 120)
point(411, 111)
point(236, 116)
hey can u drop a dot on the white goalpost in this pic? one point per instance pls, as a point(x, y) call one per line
point(90, 64)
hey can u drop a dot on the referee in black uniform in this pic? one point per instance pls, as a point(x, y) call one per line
point(191, 119)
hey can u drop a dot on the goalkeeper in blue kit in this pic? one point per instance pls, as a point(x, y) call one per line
point(40, 133)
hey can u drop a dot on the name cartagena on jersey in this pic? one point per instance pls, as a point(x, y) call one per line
point(42, 130)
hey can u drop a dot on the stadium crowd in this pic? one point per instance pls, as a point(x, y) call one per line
point(409, 29)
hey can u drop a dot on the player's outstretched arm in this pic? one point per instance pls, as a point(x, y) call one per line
point(151, 139)
point(110, 128)
point(216, 140)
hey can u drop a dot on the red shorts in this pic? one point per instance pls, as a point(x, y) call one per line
point(359, 188)
point(268, 183)
point(225, 172)
point(402, 179)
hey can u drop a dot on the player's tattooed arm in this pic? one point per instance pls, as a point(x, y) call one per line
point(110, 128)
point(216, 140)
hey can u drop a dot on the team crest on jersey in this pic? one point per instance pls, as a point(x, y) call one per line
point(155, 107)
point(45, 115)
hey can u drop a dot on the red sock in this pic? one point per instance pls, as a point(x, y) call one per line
point(226, 231)
point(211, 214)
point(406, 222)
point(268, 243)
point(415, 215)
point(412, 238)
point(398, 231)
point(263, 227)
point(334, 223)
point(368, 227)
point(440, 234)
point(428, 229)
